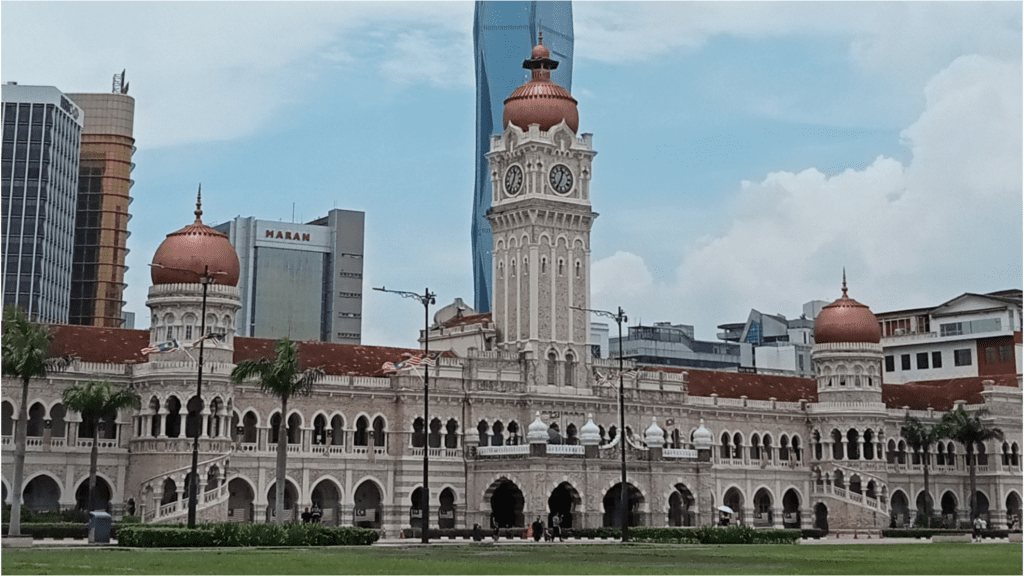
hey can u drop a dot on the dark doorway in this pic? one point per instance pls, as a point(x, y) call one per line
point(100, 497)
point(367, 512)
point(506, 504)
point(446, 514)
point(563, 501)
point(613, 509)
point(821, 516)
point(680, 507)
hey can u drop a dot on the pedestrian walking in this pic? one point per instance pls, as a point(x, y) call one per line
point(538, 529)
point(976, 536)
point(556, 527)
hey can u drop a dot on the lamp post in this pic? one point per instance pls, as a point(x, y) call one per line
point(206, 278)
point(427, 298)
point(619, 318)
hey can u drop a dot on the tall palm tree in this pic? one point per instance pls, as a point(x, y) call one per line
point(969, 430)
point(282, 378)
point(96, 400)
point(920, 437)
point(25, 349)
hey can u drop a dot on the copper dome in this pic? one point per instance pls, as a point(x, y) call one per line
point(846, 321)
point(540, 101)
point(185, 255)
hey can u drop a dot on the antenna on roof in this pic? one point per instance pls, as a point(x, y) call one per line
point(120, 86)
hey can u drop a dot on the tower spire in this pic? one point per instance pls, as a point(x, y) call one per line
point(844, 282)
point(199, 204)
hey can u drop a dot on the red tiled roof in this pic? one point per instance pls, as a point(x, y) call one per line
point(103, 345)
point(940, 394)
point(753, 386)
point(335, 359)
point(467, 320)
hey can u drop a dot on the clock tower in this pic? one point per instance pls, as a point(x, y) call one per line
point(541, 217)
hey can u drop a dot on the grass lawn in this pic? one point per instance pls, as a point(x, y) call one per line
point(544, 559)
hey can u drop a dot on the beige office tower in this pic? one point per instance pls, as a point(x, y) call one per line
point(101, 222)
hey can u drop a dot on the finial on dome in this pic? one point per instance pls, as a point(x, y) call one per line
point(199, 204)
point(844, 282)
point(540, 37)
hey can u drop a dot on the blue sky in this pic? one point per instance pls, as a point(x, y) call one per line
point(747, 151)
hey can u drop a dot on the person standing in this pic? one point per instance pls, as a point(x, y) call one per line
point(556, 527)
point(538, 529)
point(977, 529)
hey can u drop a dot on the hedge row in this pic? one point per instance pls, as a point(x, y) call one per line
point(46, 517)
point(929, 532)
point(242, 534)
point(714, 535)
point(56, 530)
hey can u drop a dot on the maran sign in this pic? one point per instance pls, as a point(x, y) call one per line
point(284, 235)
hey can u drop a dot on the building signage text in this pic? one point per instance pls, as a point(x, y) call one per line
point(281, 235)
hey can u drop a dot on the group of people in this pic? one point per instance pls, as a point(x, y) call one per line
point(538, 531)
point(313, 515)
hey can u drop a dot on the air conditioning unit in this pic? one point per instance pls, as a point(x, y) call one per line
point(899, 332)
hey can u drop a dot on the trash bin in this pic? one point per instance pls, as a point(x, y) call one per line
point(99, 527)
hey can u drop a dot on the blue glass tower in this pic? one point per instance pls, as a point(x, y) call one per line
point(503, 35)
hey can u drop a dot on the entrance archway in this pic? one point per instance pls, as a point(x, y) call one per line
point(949, 515)
point(563, 501)
point(416, 508)
point(291, 513)
point(367, 511)
point(446, 513)
point(1012, 509)
point(900, 509)
point(821, 516)
point(41, 494)
point(680, 507)
point(326, 497)
point(100, 498)
point(791, 509)
point(613, 506)
point(734, 500)
point(240, 499)
point(506, 504)
point(763, 508)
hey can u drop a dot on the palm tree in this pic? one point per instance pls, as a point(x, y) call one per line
point(969, 430)
point(96, 400)
point(920, 437)
point(282, 378)
point(25, 347)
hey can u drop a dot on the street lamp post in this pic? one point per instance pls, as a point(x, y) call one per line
point(427, 298)
point(206, 278)
point(619, 318)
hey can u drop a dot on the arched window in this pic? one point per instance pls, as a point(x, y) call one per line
point(482, 428)
point(434, 439)
point(362, 435)
point(570, 369)
point(418, 433)
point(380, 438)
point(726, 452)
point(451, 438)
point(552, 368)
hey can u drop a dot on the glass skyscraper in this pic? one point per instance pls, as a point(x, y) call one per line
point(504, 33)
point(42, 137)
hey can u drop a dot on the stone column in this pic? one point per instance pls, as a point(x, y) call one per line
point(777, 518)
point(204, 422)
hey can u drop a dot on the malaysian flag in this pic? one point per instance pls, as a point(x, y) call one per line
point(162, 347)
point(213, 337)
point(409, 363)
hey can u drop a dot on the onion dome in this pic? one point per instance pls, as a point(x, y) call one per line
point(537, 432)
point(702, 437)
point(654, 436)
point(846, 321)
point(541, 101)
point(185, 255)
point(590, 434)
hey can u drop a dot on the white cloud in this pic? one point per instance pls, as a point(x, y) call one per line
point(908, 235)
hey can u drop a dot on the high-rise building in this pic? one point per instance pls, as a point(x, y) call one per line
point(101, 223)
point(304, 281)
point(39, 180)
point(503, 34)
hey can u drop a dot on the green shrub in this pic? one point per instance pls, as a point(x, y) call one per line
point(702, 535)
point(232, 534)
point(129, 519)
point(59, 530)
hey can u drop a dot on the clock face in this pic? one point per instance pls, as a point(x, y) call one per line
point(560, 178)
point(513, 180)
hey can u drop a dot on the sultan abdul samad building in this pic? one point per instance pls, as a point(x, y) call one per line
point(523, 421)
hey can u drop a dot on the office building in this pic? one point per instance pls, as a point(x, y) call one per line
point(304, 281)
point(101, 223)
point(503, 34)
point(969, 336)
point(38, 185)
point(665, 344)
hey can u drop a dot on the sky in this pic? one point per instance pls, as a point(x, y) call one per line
point(747, 152)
